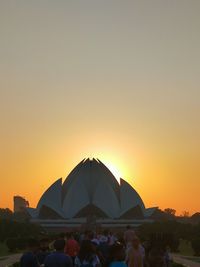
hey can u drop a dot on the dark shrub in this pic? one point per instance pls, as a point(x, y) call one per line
point(22, 243)
point(11, 244)
point(196, 246)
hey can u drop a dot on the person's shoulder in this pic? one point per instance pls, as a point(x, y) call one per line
point(58, 255)
point(49, 256)
point(62, 255)
point(27, 255)
point(65, 258)
point(118, 264)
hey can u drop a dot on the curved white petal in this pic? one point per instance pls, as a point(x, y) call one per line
point(52, 197)
point(129, 197)
point(106, 199)
point(77, 198)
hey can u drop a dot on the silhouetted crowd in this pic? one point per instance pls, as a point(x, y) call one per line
point(90, 249)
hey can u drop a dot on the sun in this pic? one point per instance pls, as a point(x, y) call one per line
point(115, 171)
point(112, 162)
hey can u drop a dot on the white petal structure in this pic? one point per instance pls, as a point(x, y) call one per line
point(52, 198)
point(106, 199)
point(76, 198)
point(90, 189)
point(129, 198)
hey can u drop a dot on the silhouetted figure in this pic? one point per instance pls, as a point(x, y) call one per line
point(87, 256)
point(58, 258)
point(129, 235)
point(104, 245)
point(117, 255)
point(43, 251)
point(72, 247)
point(134, 254)
point(29, 258)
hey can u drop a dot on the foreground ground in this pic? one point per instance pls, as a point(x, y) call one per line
point(9, 260)
point(186, 261)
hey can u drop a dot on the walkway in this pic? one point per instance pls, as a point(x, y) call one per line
point(9, 260)
point(185, 262)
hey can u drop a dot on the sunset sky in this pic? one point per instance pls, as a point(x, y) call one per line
point(116, 80)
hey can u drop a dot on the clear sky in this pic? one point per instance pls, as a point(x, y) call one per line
point(117, 80)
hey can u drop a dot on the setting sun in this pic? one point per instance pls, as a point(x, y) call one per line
point(114, 163)
point(115, 171)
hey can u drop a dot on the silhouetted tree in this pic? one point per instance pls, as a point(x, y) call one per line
point(185, 214)
point(13, 229)
point(6, 214)
point(164, 215)
point(161, 233)
point(11, 243)
point(195, 218)
point(170, 211)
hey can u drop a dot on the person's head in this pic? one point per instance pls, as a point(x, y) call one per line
point(33, 244)
point(90, 235)
point(117, 252)
point(128, 227)
point(59, 245)
point(44, 244)
point(86, 249)
point(136, 242)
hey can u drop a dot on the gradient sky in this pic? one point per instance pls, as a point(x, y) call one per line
point(117, 80)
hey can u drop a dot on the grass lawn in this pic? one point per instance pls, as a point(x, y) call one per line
point(185, 248)
point(2, 259)
point(195, 259)
point(187, 252)
point(3, 250)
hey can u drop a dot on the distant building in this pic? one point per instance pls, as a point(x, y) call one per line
point(20, 204)
point(90, 193)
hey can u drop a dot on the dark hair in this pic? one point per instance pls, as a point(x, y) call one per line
point(59, 244)
point(44, 240)
point(86, 250)
point(32, 243)
point(117, 252)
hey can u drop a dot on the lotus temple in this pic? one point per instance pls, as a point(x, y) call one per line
point(90, 194)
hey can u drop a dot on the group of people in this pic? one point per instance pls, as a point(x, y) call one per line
point(90, 249)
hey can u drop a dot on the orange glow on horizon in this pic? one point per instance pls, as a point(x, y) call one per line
point(108, 89)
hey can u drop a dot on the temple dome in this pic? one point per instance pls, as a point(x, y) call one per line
point(90, 188)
